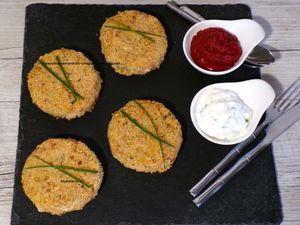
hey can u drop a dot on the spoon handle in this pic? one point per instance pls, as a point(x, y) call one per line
point(173, 6)
point(185, 12)
point(191, 12)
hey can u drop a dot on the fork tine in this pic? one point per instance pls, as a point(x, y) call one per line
point(290, 103)
point(289, 100)
point(281, 100)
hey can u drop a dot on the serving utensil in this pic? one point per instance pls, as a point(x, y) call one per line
point(282, 104)
point(258, 57)
point(255, 93)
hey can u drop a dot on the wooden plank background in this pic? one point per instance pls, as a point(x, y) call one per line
point(281, 21)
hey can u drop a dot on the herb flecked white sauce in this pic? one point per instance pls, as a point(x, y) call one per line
point(222, 114)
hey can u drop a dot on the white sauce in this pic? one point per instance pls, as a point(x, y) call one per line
point(221, 114)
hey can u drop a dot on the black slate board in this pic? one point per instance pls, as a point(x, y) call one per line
point(127, 197)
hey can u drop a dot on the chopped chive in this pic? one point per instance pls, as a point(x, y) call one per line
point(34, 167)
point(65, 83)
point(143, 32)
point(78, 169)
point(131, 30)
point(143, 129)
point(74, 93)
point(62, 70)
point(155, 128)
point(53, 73)
point(64, 172)
point(64, 168)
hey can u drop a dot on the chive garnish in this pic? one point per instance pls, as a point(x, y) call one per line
point(131, 30)
point(125, 27)
point(66, 83)
point(155, 128)
point(143, 32)
point(64, 168)
point(64, 172)
point(143, 129)
point(73, 92)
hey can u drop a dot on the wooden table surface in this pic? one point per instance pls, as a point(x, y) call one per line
point(281, 21)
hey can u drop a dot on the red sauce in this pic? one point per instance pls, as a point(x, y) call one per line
point(215, 49)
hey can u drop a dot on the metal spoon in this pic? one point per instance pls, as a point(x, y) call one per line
point(259, 57)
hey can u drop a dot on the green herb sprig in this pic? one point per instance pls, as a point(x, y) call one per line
point(143, 32)
point(66, 83)
point(143, 129)
point(74, 93)
point(64, 172)
point(64, 168)
point(131, 30)
point(155, 128)
point(125, 27)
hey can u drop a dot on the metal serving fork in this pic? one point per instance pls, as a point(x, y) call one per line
point(284, 102)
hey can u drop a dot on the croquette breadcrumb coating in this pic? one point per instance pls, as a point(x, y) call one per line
point(54, 192)
point(52, 97)
point(130, 53)
point(137, 150)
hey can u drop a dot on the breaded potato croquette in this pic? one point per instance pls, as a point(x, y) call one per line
point(52, 96)
point(135, 148)
point(51, 190)
point(133, 42)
